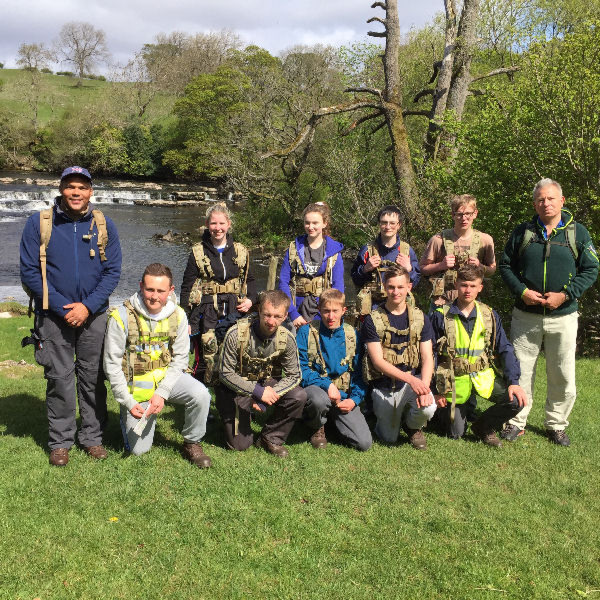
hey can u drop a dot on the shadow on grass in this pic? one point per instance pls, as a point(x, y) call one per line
point(24, 415)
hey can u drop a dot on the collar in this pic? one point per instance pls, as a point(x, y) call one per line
point(542, 227)
point(259, 335)
point(454, 310)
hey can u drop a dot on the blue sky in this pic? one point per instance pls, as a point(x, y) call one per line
point(272, 24)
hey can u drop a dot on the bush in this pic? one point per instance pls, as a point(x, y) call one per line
point(46, 70)
point(66, 73)
point(1, 65)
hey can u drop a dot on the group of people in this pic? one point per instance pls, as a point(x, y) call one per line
point(297, 358)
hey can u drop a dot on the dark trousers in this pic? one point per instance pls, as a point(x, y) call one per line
point(493, 418)
point(237, 409)
point(72, 361)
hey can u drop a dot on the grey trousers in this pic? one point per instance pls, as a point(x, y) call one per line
point(187, 391)
point(72, 361)
point(351, 426)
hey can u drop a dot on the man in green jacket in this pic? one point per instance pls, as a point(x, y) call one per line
point(548, 263)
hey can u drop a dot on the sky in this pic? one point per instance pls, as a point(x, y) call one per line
point(271, 24)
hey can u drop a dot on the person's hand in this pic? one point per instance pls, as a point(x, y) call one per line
point(189, 330)
point(345, 406)
point(531, 298)
point(448, 263)
point(77, 315)
point(424, 400)
point(157, 403)
point(473, 260)
point(372, 263)
point(334, 394)
point(418, 387)
point(245, 305)
point(270, 396)
point(137, 411)
point(440, 400)
point(404, 261)
point(516, 391)
point(554, 299)
point(299, 321)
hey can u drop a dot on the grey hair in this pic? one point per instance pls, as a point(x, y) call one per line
point(546, 181)
point(219, 207)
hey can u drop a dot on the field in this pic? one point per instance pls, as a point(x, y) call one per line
point(460, 520)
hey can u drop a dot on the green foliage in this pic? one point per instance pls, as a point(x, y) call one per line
point(66, 73)
point(46, 70)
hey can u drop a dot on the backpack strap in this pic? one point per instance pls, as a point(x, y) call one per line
point(45, 233)
point(475, 243)
point(100, 220)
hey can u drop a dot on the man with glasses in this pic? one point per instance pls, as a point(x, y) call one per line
point(450, 249)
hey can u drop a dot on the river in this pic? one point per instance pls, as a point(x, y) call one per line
point(136, 224)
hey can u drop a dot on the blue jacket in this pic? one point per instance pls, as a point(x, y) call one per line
point(332, 247)
point(503, 348)
point(360, 278)
point(333, 347)
point(73, 275)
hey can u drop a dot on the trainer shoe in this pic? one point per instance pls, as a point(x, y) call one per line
point(487, 436)
point(558, 437)
point(511, 432)
point(318, 439)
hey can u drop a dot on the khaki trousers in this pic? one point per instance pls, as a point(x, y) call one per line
point(558, 334)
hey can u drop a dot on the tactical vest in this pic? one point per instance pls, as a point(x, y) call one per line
point(98, 219)
point(445, 282)
point(206, 284)
point(374, 290)
point(300, 284)
point(257, 368)
point(465, 362)
point(531, 235)
point(147, 353)
point(315, 355)
point(405, 353)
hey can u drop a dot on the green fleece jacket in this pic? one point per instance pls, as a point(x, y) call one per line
point(549, 265)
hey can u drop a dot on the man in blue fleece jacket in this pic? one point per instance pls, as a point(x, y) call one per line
point(329, 352)
point(82, 270)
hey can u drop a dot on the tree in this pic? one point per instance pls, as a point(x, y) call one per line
point(34, 57)
point(83, 46)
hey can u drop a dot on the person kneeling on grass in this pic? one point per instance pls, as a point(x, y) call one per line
point(398, 338)
point(145, 357)
point(259, 368)
point(330, 354)
point(469, 334)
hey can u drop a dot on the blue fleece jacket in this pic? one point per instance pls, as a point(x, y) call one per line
point(333, 347)
point(73, 275)
point(332, 247)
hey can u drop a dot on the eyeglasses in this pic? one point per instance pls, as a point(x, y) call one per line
point(461, 215)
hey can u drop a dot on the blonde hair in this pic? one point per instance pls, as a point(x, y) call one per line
point(323, 209)
point(332, 295)
point(461, 200)
point(219, 207)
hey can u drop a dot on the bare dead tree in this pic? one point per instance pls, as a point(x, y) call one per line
point(386, 104)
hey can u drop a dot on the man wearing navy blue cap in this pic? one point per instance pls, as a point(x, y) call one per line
point(70, 264)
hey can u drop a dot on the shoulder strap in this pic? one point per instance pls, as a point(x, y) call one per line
point(404, 248)
point(294, 259)
point(381, 321)
point(133, 329)
point(242, 259)
point(570, 235)
point(281, 338)
point(416, 322)
point(490, 325)
point(450, 328)
point(372, 249)
point(45, 233)
point(198, 251)
point(529, 236)
point(100, 221)
point(475, 243)
point(350, 339)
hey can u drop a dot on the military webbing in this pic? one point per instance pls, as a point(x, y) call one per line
point(315, 353)
point(530, 236)
point(308, 286)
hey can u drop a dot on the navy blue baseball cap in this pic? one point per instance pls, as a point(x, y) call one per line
point(76, 171)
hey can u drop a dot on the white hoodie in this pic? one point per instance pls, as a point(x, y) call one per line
point(115, 342)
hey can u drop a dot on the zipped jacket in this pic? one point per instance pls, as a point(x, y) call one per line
point(548, 265)
point(74, 273)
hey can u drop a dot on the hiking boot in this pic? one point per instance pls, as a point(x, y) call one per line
point(97, 452)
point(417, 438)
point(277, 450)
point(487, 436)
point(59, 457)
point(318, 439)
point(193, 452)
point(511, 432)
point(558, 437)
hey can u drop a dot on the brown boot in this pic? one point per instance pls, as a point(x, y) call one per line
point(59, 457)
point(417, 438)
point(486, 435)
point(277, 450)
point(318, 439)
point(97, 452)
point(193, 452)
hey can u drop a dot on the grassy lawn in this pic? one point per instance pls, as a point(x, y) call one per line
point(460, 520)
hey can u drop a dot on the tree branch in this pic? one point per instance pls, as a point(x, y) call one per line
point(313, 121)
point(380, 4)
point(382, 124)
point(376, 34)
point(421, 113)
point(507, 70)
point(382, 21)
point(365, 90)
point(356, 123)
point(423, 93)
point(436, 68)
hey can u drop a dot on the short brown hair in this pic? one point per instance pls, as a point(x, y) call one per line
point(275, 298)
point(395, 270)
point(470, 273)
point(332, 295)
point(460, 200)
point(158, 270)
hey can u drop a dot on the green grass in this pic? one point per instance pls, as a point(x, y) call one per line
point(460, 520)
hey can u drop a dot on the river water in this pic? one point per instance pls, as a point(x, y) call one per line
point(136, 225)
